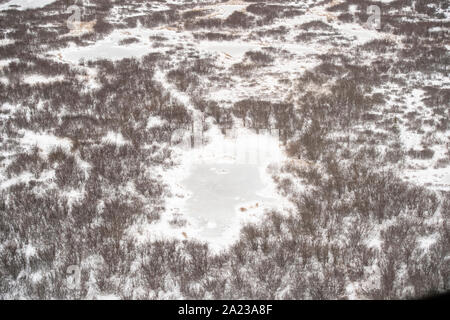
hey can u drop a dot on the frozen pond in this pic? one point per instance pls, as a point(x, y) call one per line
point(220, 193)
point(234, 49)
point(110, 48)
point(24, 4)
point(226, 184)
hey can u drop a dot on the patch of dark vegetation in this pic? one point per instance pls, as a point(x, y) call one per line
point(239, 20)
point(425, 153)
point(205, 23)
point(339, 132)
point(443, 162)
point(191, 14)
point(316, 25)
point(127, 41)
point(259, 57)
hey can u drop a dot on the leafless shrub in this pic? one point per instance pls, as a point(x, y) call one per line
point(380, 46)
point(307, 36)
point(303, 244)
point(388, 275)
point(394, 154)
point(250, 235)
point(329, 287)
point(155, 18)
point(299, 285)
point(425, 277)
point(274, 32)
point(12, 260)
point(198, 261)
point(442, 163)
point(154, 268)
point(345, 17)
point(202, 66)
point(27, 161)
point(244, 69)
point(313, 140)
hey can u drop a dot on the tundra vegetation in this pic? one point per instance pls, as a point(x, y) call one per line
point(360, 225)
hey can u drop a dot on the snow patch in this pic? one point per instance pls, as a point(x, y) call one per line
point(115, 138)
point(25, 4)
point(110, 47)
point(37, 78)
point(45, 142)
point(221, 186)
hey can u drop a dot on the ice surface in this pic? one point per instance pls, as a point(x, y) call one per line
point(109, 48)
point(220, 192)
point(25, 4)
point(37, 78)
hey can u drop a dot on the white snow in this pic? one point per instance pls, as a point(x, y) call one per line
point(25, 4)
point(115, 138)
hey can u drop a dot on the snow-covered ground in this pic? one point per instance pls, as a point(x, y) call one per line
point(218, 186)
point(37, 78)
point(24, 4)
point(224, 184)
point(110, 47)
